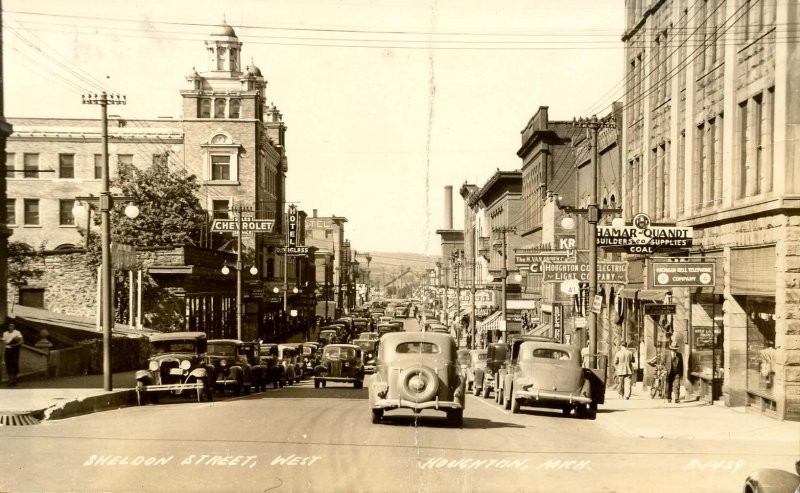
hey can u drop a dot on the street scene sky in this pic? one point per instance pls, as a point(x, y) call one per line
point(386, 102)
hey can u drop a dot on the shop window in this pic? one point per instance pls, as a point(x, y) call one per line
point(761, 352)
point(221, 209)
point(707, 336)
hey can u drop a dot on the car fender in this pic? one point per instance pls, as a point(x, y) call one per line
point(143, 376)
point(199, 373)
point(235, 372)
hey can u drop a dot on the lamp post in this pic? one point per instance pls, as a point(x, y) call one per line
point(277, 290)
point(226, 269)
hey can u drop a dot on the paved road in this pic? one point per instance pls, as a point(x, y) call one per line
point(321, 440)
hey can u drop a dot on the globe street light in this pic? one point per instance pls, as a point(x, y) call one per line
point(226, 269)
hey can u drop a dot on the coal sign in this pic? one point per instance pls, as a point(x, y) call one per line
point(644, 238)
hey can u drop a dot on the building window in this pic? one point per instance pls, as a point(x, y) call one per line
point(65, 217)
point(205, 108)
point(66, 165)
point(33, 297)
point(234, 65)
point(31, 166)
point(11, 211)
point(680, 179)
point(98, 166)
point(219, 108)
point(234, 108)
point(31, 207)
point(221, 58)
point(10, 165)
point(754, 143)
point(221, 167)
point(220, 209)
point(161, 159)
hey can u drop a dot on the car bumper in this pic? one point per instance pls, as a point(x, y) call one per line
point(226, 382)
point(338, 379)
point(546, 395)
point(387, 404)
point(169, 387)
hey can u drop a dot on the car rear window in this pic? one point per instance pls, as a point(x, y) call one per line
point(160, 347)
point(417, 347)
point(551, 354)
point(340, 353)
point(222, 349)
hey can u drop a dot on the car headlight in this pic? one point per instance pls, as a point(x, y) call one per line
point(222, 362)
point(347, 364)
point(153, 365)
point(186, 364)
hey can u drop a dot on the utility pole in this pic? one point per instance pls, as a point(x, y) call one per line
point(472, 324)
point(593, 125)
point(5, 131)
point(106, 302)
point(239, 272)
point(504, 274)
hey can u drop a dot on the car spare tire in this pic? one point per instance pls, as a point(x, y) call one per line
point(418, 384)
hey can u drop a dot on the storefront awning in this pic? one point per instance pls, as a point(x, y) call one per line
point(541, 330)
point(652, 294)
point(699, 317)
point(628, 293)
point(490, 322)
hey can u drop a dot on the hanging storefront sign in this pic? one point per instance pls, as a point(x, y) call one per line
point(292, 226)
point(686, 274)
point(659, 309)
point(607, 272)
point(531, 259)
point(642, 237)
point(558, 322)
point(597, 305)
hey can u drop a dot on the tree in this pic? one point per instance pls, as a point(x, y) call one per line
point(169, 214)
point(24, 263)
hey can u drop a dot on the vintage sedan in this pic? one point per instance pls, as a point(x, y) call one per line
point(368, 351)
point(370, 336)
point(328, 336)
point(417, 371)
point(495, 361)
point(252, 351)
point(550, 374)
point(230, 363)
point(275, 371)
point(287, 357)
point(477, 362)
point(773, 481)
point(340, 363)
point(177, 365)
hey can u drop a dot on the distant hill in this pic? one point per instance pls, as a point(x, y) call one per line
point(385, 266)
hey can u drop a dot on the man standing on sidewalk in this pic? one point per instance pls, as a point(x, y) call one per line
point(673, 362)
point(12, 341)
point(623, 364)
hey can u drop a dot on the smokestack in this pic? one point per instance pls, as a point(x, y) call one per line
point(448, 207)
point(314, 213)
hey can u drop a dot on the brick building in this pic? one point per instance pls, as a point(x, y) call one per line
point(229, 136)
point(710, 140)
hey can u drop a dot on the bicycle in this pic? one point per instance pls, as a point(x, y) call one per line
point(659, 386)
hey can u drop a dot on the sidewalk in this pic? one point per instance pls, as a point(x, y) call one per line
point(58, 398)
point(695, 420)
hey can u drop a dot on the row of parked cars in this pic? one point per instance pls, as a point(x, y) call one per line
point(537, 372)
point(187, 363)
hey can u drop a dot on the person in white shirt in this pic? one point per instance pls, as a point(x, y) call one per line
point(12, 341)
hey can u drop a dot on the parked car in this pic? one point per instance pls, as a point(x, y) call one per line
point(502, 376)
point(340, 363)
point(287, 357)
point(177, 365)
point(550, 374)
point(231, 366)
point(417, 371)
point(310, 358)
point(384, 328)
point(398, 325)
point(328, 336)
point(252, 351)
point(402, 311)
point(495, 361)
point(275, 371)
point(773, 481)
point(368, 352)
point(361, 324)
point(477, 362)
point(370, 336)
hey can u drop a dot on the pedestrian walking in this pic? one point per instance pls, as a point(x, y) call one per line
point(585, 355)
point(12, 340)
point(623, 364)
point(673, 361)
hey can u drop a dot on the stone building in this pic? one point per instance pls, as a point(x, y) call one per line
point(229, 136)
point(710, 141)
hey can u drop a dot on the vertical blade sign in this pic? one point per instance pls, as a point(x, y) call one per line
point(292, 226)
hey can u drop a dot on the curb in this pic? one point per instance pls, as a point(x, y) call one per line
point(114, 399)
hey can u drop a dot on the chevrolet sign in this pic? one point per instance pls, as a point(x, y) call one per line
point(248, 225)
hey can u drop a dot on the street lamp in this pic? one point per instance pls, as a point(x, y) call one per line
point(226, 269)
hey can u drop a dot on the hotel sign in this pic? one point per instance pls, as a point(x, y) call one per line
point(642, 237)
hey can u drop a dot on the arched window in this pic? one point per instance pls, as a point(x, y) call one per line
point(233, 111)
point(220, 58)
point(65, 246)
point(219, 108)
point(205, 108)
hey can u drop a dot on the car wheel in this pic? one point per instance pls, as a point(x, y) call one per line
point(154, 397)
point(486, 391)
point(237, 390)
point(455, 418)
point(209, 390)
point(246, 388)
point(507, 399)
point(476, 391)
point(498, 396)
point(581, 412)
point(418, 384)
point(359, 385)
point(377, 415)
